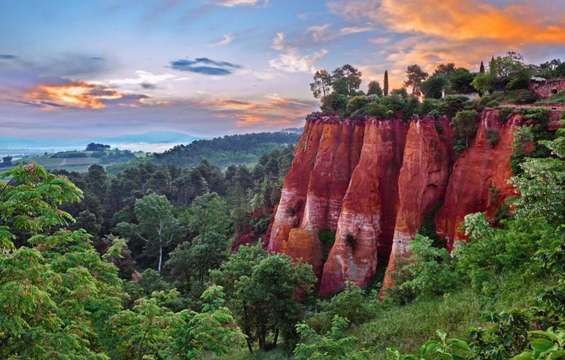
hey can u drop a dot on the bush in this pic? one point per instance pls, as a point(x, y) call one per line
point(430, 271)
point(465, 127)
point(355, 104)
point(334, 103)
point(379, 110)
point(522, 96)
point(454, 104)
point(350, 304)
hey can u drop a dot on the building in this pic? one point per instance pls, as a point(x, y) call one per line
point(546, 88)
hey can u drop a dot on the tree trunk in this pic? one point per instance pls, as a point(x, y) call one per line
point(160, 259)
point(276, 337)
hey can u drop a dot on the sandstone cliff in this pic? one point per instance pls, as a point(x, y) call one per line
point(374, 183)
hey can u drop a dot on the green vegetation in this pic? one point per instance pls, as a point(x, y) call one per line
point(242, 149)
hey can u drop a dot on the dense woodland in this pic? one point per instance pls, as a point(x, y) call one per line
point(164, 261)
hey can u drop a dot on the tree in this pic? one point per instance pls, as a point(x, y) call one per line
point(444, 69)
point(542, 184)
point(214, 330)
point(262, 291)
point(334, 103)
point(321, 84)
point(374, 88)
point(6, 161)
point(43, 192)
point(434, 86)
point(465, 127)
point(482, 83)
point(385, 83)
point(460, 81)
point(144, 331)
point(156, 226)
point(355, 104)
point(482, 68)
point(346, 80)
point(415, 75)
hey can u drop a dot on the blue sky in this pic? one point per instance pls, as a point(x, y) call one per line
point(208, 67)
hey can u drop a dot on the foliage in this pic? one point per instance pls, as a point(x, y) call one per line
point(374, 88)
point(346, 80)
point(434, 86)
point(542, 184)
point(333, 345)
point(429, 272)
point(227, 150)
point(321, 84)
point(211, 331)
point(30, 201)
point(334, 103)
point(261, 291)
point(460, 81)
point(465, 127)
point(355, 104)
point(157, 226)
point(415, 76)
point(444, 348)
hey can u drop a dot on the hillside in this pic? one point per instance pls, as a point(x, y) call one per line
point(227, 150)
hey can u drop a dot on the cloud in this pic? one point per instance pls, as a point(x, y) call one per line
point(7, 57)
point(428, 32)
point(143, 79)
point(233, 3)
point(324, 33)
point(272, 110)
point(290, 59)
point(205, 66)
point(79, 95)
point(226, 40)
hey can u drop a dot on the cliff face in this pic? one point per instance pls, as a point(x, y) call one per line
point(374, 183)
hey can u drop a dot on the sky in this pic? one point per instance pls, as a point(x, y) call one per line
point(102, 68)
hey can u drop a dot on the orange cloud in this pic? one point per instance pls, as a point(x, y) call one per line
point(78, 94)
point(467, 20)
point(269, 111)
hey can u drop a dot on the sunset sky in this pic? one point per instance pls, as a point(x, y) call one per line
point(84, 69)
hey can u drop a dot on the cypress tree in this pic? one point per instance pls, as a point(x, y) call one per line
point(385, 84)
point(482, 69)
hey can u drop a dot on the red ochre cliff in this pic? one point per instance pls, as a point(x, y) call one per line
point(374, 182)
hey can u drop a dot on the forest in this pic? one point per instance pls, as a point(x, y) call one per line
point(165, 260)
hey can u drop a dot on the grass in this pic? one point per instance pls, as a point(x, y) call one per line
point(407, 327)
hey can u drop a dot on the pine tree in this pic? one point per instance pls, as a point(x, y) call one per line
point(385, 86)
point(482, 69)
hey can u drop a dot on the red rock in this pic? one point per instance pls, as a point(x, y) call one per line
point(479, 180)
point(421, 185)
point(374, 182)
point(367, 206)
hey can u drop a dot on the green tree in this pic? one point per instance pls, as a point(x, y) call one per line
point(156, 226)
point(356, 103)
point(262, 291)
point(374, 88)
point(434, 86)
point(415, 75)
point(144, 331)
point(460, 81)
point(30, 202)
point(483, 83)
point(346, 80)
point(322, 83)
point(212, 331)
point(542, 184)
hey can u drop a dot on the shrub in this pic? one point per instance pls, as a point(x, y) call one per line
point(454, 104)
point(465, 127)
point(379, 110)
point(493, 137)
point(334, 103)
point(522, 96)
point(355, 104)
point(350, 304)
point(430, 271)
